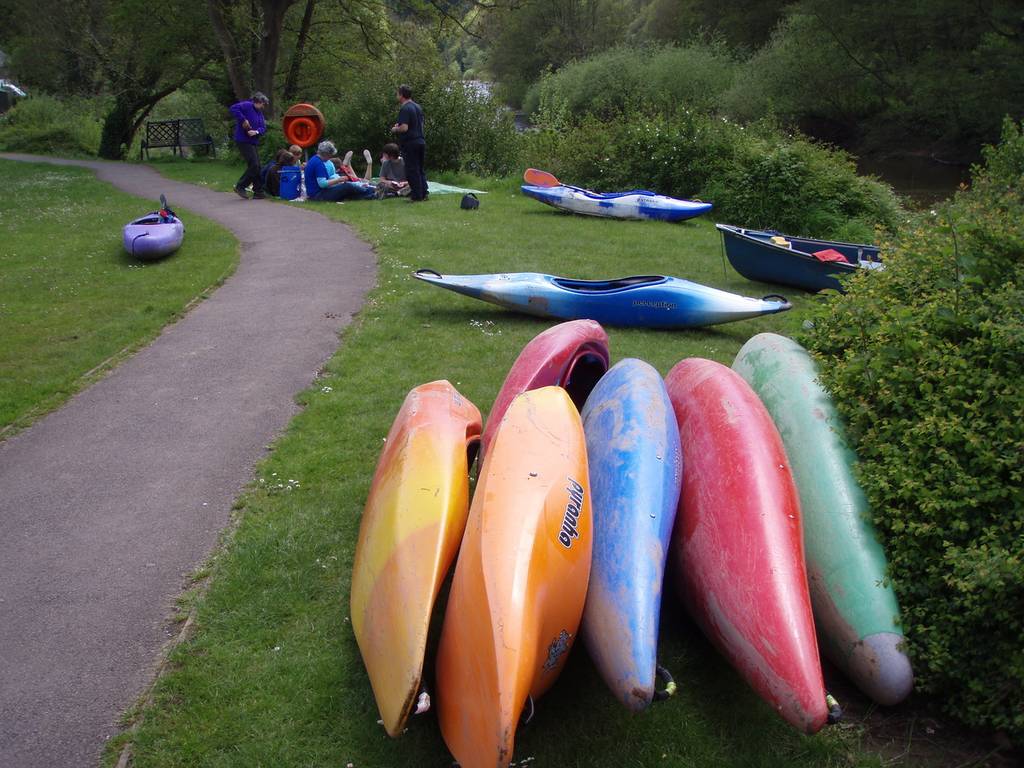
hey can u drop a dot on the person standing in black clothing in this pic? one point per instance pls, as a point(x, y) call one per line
point(249, 127)
point(409, 129)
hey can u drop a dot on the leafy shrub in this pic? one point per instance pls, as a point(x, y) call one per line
point(795, 186)
point(887, 74)
point(466, 129)
point(625, 80)
point(46, 125)
point(797, 74)
point(925, 361)
point(755, 175)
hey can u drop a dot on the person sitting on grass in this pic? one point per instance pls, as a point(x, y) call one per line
point(344, 166)
point(271, 172)
point(392, 173)
point(324, 183)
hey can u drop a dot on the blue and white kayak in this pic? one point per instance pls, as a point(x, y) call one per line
point(635, 204)
point(642, 301)
point(636, 470)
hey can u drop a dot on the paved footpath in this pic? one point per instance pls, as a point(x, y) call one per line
point(107, 504)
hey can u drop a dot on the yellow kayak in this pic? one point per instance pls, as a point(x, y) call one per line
point(411, 528)
point(521, 579)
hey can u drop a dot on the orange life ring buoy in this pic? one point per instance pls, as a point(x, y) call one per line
point(303, 124)
point(301, 131)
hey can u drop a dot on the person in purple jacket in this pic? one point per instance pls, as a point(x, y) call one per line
point(249, 126)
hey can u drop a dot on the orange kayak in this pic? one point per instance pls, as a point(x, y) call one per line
point(521, 578)
point(409, 535)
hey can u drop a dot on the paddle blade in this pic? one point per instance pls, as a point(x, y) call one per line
point(166, 214)
point(540, 178)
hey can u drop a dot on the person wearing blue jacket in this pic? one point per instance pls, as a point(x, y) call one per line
point(249, 126)
point(323, 182)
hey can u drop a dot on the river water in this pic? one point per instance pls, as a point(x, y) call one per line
point(920, 179)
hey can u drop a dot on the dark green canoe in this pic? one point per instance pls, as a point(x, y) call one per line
point(855, 611)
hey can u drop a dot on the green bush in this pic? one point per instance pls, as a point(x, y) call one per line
point(799, 74)
point(46, 125)
point(925, 360)
point(466, 129)
point(756, 175)
point(793, 185)
point(625, 80)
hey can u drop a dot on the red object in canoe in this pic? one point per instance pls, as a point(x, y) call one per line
point(830, 254)
point(572, 355)
point(737, 547)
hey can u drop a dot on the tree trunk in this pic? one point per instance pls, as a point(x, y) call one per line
point(131, 107)
point(232, 59)
point(291, 83)
point(118, 128)
point(264, 67)
point(266, 25)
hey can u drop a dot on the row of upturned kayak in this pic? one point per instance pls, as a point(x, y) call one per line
point(594, 484)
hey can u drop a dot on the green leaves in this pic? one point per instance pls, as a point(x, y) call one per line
point(926, 364)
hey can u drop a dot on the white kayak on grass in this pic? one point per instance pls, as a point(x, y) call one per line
point(634, 204)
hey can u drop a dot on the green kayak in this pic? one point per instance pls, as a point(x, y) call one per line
point(855, 611)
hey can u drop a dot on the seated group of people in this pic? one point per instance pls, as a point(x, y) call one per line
point(331, 178)
point(270, 174)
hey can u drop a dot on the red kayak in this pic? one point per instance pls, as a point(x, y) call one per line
point(737, 549)
point(571, 355)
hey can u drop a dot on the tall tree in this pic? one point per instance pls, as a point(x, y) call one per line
point(142, 62)
point(898, 73)
point(545, 34)
point(291, 82)
point(253, 33)
point(114, 47)
point(54, 57)
point(258, 28)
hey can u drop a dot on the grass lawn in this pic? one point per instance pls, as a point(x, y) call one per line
point(271, 675)
point(72, 302)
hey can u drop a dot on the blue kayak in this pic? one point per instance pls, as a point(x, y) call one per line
point(635, 473)
point(643, 301)
point(634, 204)
point(770, 257)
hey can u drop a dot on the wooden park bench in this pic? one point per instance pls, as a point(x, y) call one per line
point(178, 133)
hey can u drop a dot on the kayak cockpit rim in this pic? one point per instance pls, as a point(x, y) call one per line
point(608, 286)
point(152, 219)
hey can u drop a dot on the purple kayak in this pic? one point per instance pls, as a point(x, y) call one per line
point(154, 235)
